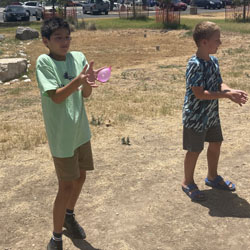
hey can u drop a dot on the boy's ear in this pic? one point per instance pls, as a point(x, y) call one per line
point(203, 42)
point(45, 41)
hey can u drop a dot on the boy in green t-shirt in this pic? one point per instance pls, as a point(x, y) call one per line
point(64, 79)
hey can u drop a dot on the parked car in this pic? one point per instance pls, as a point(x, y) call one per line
point(186, 2)
point(227, 2)
point(15, 13)
point(16, 3)
point(178, 5)
point(208, 4)
point(34, 8)
point(73, 4)
point(95, 6)
point(152, 3)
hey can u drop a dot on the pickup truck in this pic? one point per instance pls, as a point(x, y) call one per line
point(34, 8)
point(95, 6)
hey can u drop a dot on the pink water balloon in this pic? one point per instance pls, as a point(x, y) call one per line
point(104, 74)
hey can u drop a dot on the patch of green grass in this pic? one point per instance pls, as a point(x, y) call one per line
point(243, 28)
point(11, 27)
point(117, 23)
point(140, 23)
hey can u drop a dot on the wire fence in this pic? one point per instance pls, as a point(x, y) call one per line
point(237, 13)
point(133, 11)
point(167, 16)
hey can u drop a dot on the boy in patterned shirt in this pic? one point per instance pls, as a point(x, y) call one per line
point(201, 122)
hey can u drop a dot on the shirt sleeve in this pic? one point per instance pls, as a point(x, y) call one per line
point(45, 77)
point(195, 75)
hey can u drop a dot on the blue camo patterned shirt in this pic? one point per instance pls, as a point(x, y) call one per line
point(200, 115)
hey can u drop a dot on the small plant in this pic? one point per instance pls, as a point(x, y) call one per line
point(96, 121)
point(81, 25)
point(125, 118)
point(126, 141)
point(91, 26)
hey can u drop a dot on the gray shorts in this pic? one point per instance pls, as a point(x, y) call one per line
point(194, 141)
point(68, 169)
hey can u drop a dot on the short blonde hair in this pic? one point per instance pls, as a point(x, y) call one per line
point(204, 30)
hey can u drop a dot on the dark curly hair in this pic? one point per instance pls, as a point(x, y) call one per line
point(51, 25)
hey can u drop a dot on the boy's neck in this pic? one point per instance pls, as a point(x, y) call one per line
point(203, 54)
point(57, 57)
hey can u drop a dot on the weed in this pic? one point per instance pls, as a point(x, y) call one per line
point(91, 26)
point(125, 118)
point(166, 109)
point(126, 141)
point(96, 121)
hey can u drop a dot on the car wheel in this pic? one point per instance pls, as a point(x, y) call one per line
point(38, 17)
point(106, 12)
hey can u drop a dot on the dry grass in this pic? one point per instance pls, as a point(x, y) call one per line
point(145, 83)
point(133, 201)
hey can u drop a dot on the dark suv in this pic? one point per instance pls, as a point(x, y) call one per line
point(208, 4)
point(15, 13)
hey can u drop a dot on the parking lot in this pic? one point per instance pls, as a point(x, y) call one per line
point(114, 13)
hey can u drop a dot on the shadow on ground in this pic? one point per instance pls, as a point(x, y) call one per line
point(79, 243)
point(225, 204)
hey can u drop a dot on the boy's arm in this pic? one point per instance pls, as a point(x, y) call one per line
point(60, 94)
point(236, 96)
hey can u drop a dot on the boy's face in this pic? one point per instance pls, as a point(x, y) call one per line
point(58, 43)
point(212, 44)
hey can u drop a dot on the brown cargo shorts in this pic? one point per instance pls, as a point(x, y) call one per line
point(194, 141)
point(68, 169)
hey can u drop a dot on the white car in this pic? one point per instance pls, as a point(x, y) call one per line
point(34, 8)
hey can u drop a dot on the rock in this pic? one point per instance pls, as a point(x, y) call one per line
point(2, 37)
point(13, 81)
point(12, 68)
point(25, 77)
point(26, 33)
point(22, 54)
point(27, 80)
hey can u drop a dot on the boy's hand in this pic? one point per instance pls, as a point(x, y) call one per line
point(237, 96)
point(86, 77)
point(93, 73)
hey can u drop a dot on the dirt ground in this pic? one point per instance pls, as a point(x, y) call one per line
point(133, 200)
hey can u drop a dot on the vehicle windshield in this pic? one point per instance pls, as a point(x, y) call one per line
point(15, 8)
point(176, 1)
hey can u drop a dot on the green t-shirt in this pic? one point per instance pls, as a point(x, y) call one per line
point(66, 123)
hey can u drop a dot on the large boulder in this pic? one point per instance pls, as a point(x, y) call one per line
point(26, 33)
point(12, 68)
